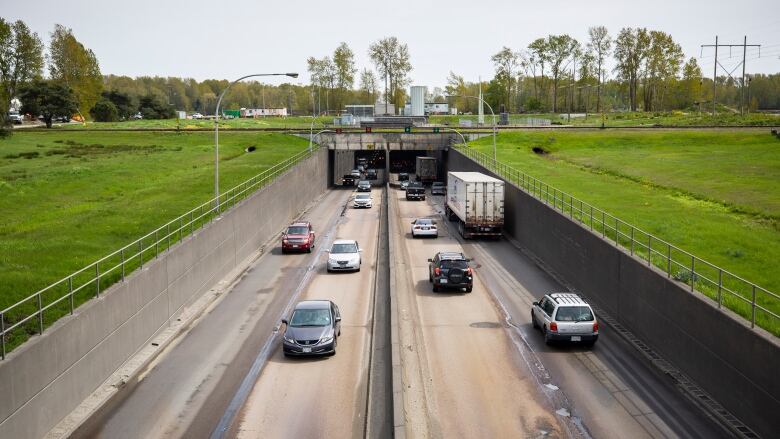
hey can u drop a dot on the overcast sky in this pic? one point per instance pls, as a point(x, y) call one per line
point(227, 39)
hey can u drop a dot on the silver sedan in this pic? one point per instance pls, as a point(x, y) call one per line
point(424, 227)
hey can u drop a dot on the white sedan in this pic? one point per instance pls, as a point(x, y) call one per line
point(424, 227)
point(344, 255)
point(363, 199)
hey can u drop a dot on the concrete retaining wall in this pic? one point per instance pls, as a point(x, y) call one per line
point(45, 379)
point(734, 364)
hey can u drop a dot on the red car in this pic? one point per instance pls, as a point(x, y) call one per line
point(298, 237)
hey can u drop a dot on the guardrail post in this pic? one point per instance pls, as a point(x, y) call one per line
point(140, 253)
point(720, 287)
point(603, 225)
point(192, 222)
point(168, 232)
point(181, 226)
point(2, 335)
point(40, 314)
point(591, 218)
point(97, 280)
point(571, 207)
point(753, 304)
point(70, 291)
point(617, 233)
point(123, 264)
point(649, 248)
point(669, 260)
point(156, 245)
point(693, 271)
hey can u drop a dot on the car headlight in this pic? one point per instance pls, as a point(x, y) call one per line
point(326, 340)
point(288, 339)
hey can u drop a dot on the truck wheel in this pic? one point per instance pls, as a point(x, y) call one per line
point(468, 289)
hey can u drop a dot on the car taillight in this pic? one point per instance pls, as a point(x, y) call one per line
point(553, 327)
point(437, 271)
point(595, 326)
point(468, 271)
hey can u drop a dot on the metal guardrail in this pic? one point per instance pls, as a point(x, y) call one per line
point(64, 296)
point(745, 298)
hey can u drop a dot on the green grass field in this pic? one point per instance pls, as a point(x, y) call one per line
point(69, 198)
point(663, 119)
point(292, 122)
point(714, 193)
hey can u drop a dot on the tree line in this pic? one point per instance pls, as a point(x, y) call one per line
point(557, 73)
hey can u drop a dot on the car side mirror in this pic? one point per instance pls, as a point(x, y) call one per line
point(327, 251)
point(412, 222)
point(534, 303)
point(285, 321)
point(360, 250)
point(338, 318)
point(430, 260)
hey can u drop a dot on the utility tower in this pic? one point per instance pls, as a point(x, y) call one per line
point(744, 47)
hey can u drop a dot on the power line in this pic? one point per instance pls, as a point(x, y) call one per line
point(744, 46)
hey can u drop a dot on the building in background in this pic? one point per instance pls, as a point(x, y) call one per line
point(263, 112)
point(430, 108)
point(417, 94)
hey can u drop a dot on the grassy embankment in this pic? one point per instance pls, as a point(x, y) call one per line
point(69, 198)
point(713, 193)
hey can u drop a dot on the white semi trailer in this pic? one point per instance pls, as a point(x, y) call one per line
point(476, 201)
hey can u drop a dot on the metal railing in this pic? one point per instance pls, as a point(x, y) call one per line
point(751, 301)
point(29, 316)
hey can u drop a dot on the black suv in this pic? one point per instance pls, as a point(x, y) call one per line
point(450, 270)
point(371, 174)
point(348, 180)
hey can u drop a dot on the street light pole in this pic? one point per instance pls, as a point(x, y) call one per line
point(458, 133)
point(491, 112)
point(216, 128)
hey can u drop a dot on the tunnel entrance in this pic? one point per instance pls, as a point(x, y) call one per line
point(404, 161)
point(375, 159)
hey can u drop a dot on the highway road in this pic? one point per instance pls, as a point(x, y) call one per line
point(472, 366)
point(187, 391)
point(486, 380)
point(325, 397)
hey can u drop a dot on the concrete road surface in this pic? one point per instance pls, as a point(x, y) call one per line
point(187, 390)
point(323, 397)
point(462, 375)
point(608, 390)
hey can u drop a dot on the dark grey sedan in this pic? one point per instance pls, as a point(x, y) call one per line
point(313, 329)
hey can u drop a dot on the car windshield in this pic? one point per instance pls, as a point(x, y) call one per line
point(310, 317)
point(574, 314)
point(437, 184)
point(362, 196)
point(454, 264)
point(344, 248)
point(297, 230)
point(423, 221)
point(363, 183)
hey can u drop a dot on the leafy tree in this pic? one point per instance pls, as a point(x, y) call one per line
point(152, 107)
point(539, 55)
point(505, 62)
point(691, 83)
point(662, 61)
point(559, 48)
point(323, 75)
point(368, 85)
point(21, 60)
point(630, 54)
point(391, 59)
point(76, 66)
point(104, 111)
point(600, 45)
point(48, 98)
point(123, 103)
point(344, 67)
